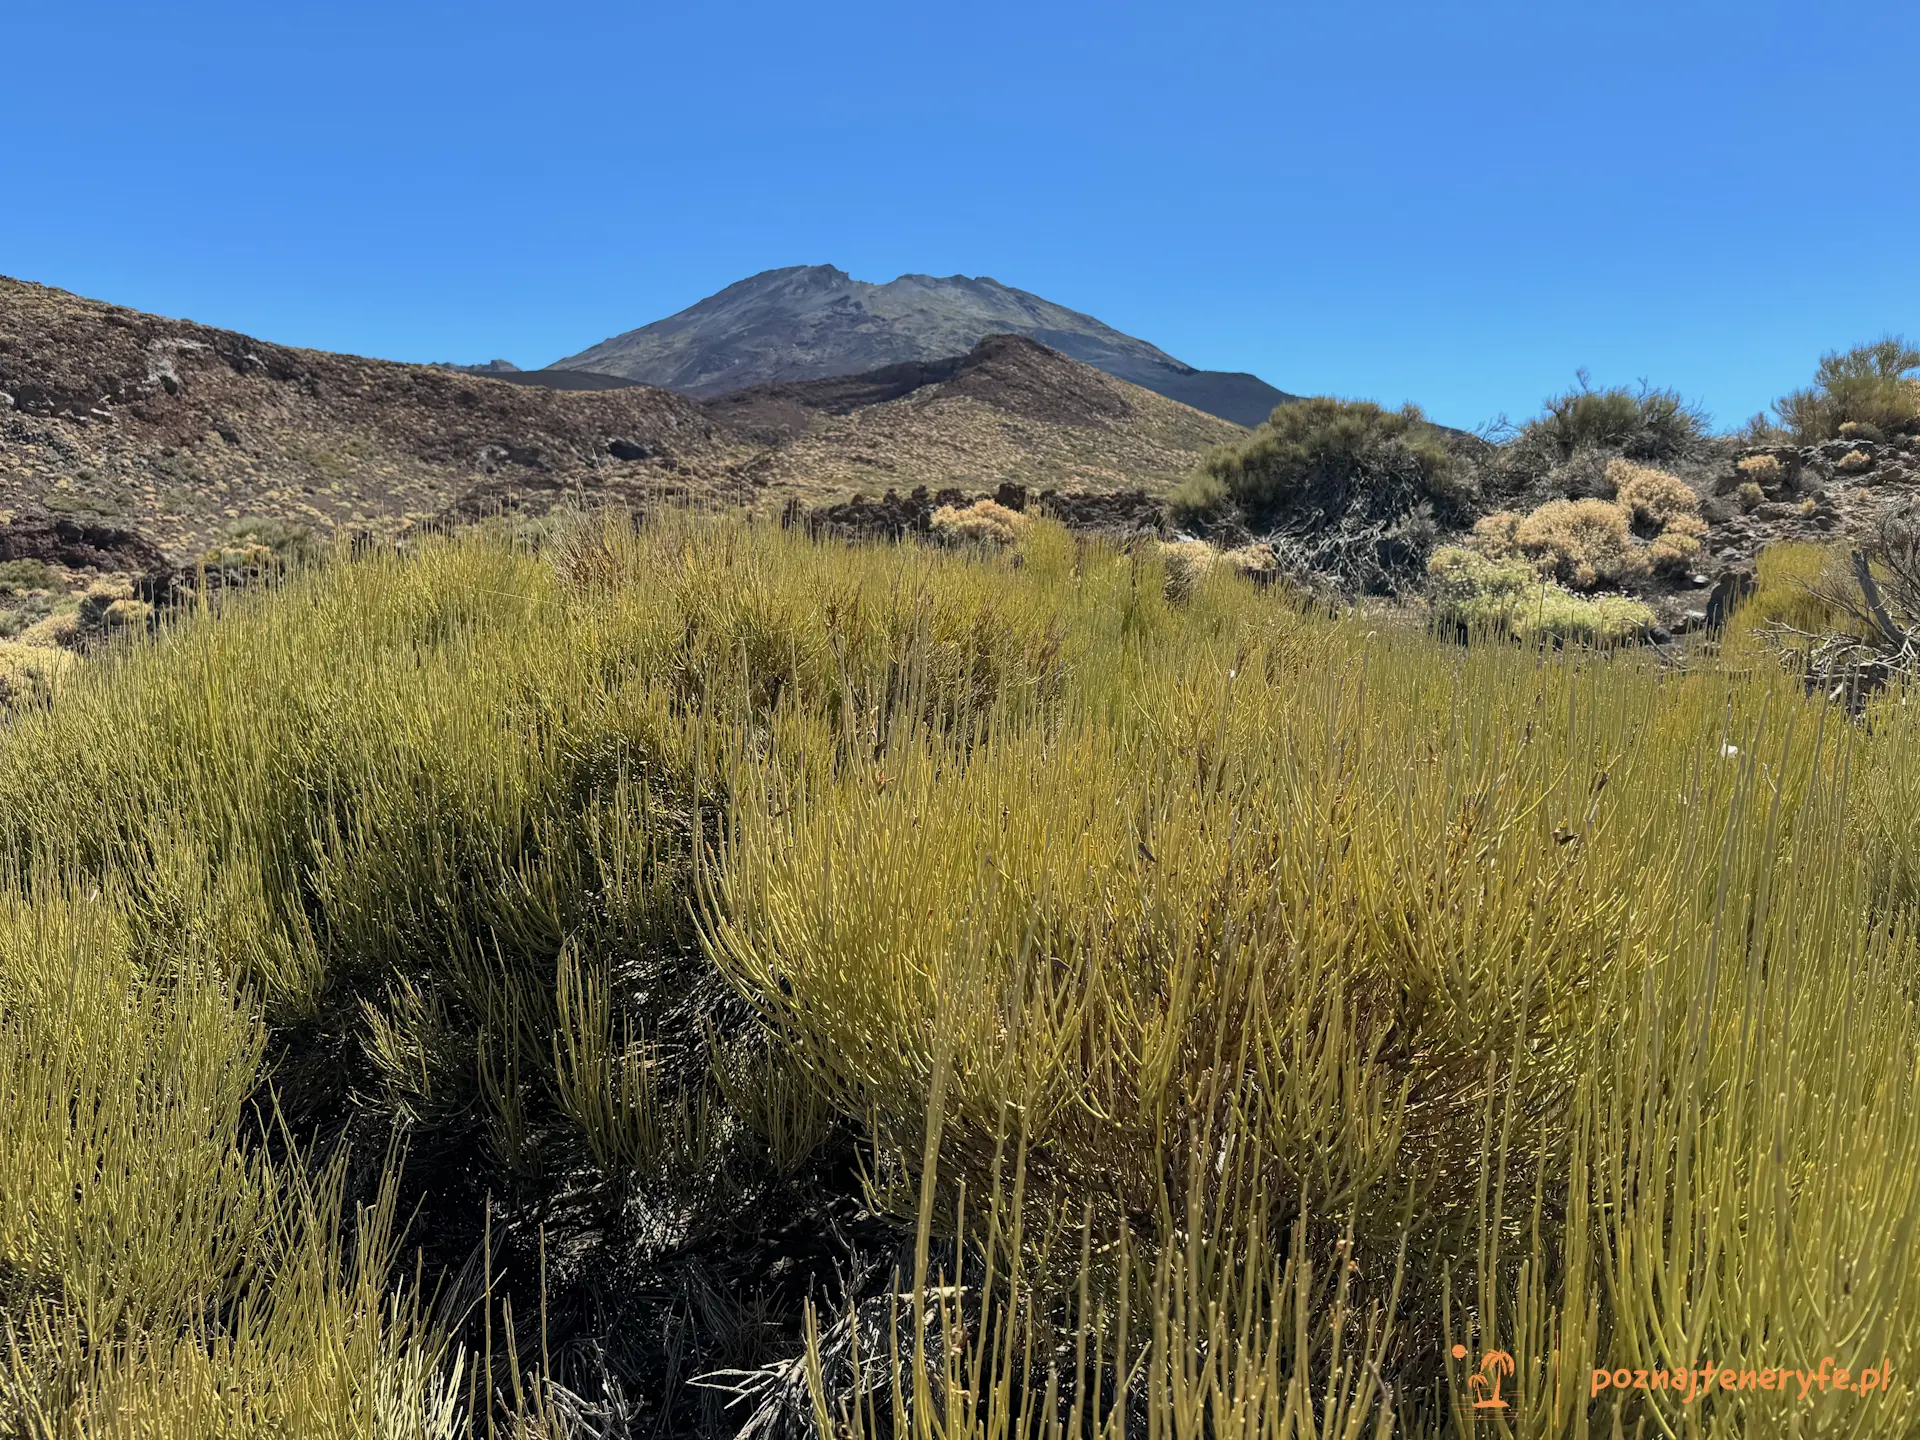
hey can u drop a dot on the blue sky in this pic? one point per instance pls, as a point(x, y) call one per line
point(1453, 204)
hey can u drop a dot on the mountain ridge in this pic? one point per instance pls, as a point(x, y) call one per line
point(131, 435)
point(814, 322)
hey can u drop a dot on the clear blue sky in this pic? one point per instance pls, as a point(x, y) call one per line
point(1456, 204)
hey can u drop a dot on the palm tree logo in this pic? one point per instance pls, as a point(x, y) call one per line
point(1484, 1386)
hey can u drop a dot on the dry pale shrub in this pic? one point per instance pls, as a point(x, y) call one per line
point(1257, 562)
point(1853, 462)
point(239, 555)
point(97, 610)
point(985, 522)
point(1651, 495)
point(1861, 430)
point(1677, 546)
point(53, 632)
point(31, 671)
point(108, 589)
point(1751, 496)
point(1584, 542)
point(1188, 563)
point(125, 613)
point(1763, 470)
point(1493, 534)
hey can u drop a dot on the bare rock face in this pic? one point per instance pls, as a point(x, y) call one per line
point(77, 544)
point(814, 322)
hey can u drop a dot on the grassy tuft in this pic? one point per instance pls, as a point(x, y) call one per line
point(933, 994)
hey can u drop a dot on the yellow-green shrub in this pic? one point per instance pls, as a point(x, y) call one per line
point(1474, 592)
point(158, 1277)
point(24, 576)
point(1359, 995)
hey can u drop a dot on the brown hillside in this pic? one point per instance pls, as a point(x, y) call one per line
point(1009, 412)
point(114, 418)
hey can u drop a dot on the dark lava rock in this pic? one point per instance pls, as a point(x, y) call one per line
point(78, 544)
point(1728, 591)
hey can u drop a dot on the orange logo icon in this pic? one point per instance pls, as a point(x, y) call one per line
point(1484, 1385)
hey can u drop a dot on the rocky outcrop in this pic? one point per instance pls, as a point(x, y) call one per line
point(77, 544)
point(1815, 493)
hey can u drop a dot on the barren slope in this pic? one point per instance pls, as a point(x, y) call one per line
point(1010, 411)
point(111, 417)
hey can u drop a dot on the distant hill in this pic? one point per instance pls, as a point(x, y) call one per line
point(811, 322)
point(114, 420)
point(1010, 410)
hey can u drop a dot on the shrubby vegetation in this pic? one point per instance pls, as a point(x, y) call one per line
point(1645, 424)
point(1590, 542)
point(1359, 495)
point(30, 672)
point(954, 993)
point(1322, 446)
point(20, 576)
point(984, 522)
point(1867, 393)
point(255, 546)
point(1475, 593)
point(1352, 491)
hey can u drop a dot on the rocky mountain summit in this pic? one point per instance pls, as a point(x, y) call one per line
point(813, 322)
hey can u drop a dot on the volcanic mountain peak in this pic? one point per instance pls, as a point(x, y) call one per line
point(811, 322)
